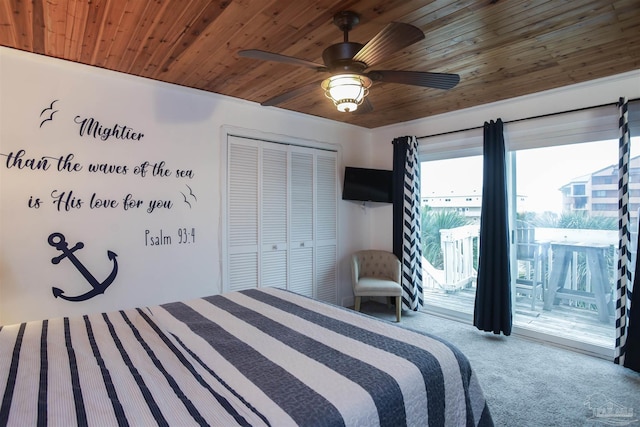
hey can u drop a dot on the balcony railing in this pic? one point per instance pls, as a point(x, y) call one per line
point(458, 256)
point(459, 250)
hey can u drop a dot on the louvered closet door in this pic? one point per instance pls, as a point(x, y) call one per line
point(326, 242)
point(281, 218)
point(274, 215)
point(302, 221)
point(242, 210)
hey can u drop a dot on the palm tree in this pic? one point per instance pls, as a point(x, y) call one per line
point(570, 220)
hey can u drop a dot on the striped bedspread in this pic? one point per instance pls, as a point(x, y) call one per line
point(251, 358)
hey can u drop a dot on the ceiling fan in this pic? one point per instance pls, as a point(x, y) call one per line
point(347, 62)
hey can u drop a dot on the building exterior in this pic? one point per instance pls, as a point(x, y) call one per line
point(469, 205)
point(597, 194)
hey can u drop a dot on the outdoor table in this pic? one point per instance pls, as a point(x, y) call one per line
point(597, 266)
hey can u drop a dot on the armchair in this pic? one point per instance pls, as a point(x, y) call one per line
point(376, 273)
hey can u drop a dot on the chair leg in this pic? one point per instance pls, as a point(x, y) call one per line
point(398, 308)
point(357, 304)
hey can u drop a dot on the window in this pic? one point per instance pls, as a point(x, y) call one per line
point(612, 207)
point(578, 189)
point(605, 180)
point(604, 193)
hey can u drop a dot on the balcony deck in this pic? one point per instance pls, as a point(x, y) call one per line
point(570, 324)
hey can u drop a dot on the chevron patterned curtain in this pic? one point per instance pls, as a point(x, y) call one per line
point(406, 219)
point(624, 233)
point(627, 349)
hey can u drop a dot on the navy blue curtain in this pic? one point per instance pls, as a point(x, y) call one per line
point(631, 349)
point(492, 311)
point(400, 146)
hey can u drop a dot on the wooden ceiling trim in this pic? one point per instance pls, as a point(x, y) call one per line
point(605, 53)
point(627, 14)
point(107, 32)
point(443, 12)
point(209, 51)
point(209, 12)
point(495, 29)
point(224, 58)
point(92, 32)
point(7, 30)
point(56, 25)
point(137, 27)
point(466, 48)
point(127, 45)
point(571, 31)
point(378, 14)
point(76, 24)
point(65, 38)
point(249, 71)
point(37, 29)
point(252, 73)
point(302, 37)
point(258, 84)
point(20, 16)
point(529, 19)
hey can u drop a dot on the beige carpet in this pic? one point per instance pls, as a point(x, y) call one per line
point(527, 383)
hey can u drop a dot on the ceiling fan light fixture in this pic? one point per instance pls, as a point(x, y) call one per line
point(347, 91)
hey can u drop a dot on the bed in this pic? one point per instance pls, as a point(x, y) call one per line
point(260, 357)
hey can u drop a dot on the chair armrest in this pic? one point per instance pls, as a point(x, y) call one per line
point(397, 270)
point(355, 269)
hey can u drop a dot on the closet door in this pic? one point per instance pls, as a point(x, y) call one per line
point(281, 218)
point(302, 221)
point(242, 213)
point(326, 242)
point(274, 215)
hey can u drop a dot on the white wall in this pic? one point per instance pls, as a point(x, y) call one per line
point(181, 127)
point(583, 95)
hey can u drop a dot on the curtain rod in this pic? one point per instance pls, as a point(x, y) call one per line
point(529, 118)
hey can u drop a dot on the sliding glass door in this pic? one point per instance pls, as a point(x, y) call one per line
point(564, 240)
point(563, 199)
point(451, 203)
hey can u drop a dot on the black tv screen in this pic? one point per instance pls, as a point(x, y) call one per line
point(367, 185)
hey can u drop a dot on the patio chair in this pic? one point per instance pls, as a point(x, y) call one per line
point(376, 273)
point(531, 271)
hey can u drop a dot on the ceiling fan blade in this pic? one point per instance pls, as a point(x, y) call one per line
point(416, 78)
point(291, 94)
point(269, 56)
point(392, 38)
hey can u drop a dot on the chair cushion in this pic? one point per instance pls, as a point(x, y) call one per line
point(377, 264)
point(374, 287)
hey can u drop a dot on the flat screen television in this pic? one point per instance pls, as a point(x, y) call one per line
point(367, 185)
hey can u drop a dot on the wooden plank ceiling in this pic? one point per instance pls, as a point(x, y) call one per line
point(500, 48)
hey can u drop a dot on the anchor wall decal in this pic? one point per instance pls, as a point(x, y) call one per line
point(58, 241)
